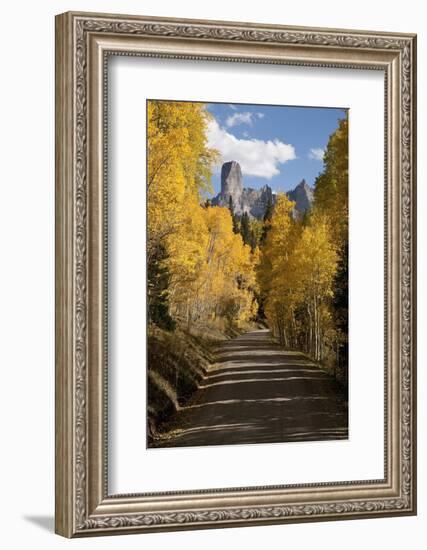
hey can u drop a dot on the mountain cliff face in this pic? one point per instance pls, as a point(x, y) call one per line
point(254, 201)
point(231, 187)
point(302, 196)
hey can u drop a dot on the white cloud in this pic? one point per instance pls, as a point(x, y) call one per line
point(242, 118)
point(232, 107)
point(239, 118)
point(256, 157)
point(316, 153)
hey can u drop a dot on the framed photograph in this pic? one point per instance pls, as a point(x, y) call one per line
point(235, 274)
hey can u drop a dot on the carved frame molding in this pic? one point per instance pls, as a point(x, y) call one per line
point(83, 43)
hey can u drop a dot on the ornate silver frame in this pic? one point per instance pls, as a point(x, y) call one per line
point(83, 42)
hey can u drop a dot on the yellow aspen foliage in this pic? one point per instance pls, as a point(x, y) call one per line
point(316, 261)
point(331, 201)
point(316, 258)
point(230, 269)
point(275, 271)
point(201, 271)
point(186, 258)
point(205, 270)
point(178, 165)
point(296, 274)
point(331, 191)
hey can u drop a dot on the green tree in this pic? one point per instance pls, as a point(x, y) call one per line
point(253, 240)
point(158, 279)
point(268, 214)
point(234, 218)
point(244, 228)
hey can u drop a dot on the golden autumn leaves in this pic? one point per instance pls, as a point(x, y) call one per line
point(303, 268)
point(296, 275)
point(202, 272)
point(210, 270)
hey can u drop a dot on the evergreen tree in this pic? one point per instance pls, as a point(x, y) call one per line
point(157, 285)
point(340, 306)
point(234, 217)
point(268, 214)
point(245, 229)
point(253, 241)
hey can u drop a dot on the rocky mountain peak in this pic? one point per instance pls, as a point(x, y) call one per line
point(254, 201)
point(231, 181)
point(302, 195)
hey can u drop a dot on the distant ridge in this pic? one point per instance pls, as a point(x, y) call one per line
point(254, 201)
point(302, 195)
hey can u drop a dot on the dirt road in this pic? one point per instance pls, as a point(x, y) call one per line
point(256, 392)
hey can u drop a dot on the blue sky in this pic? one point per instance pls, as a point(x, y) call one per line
point(274, 145)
